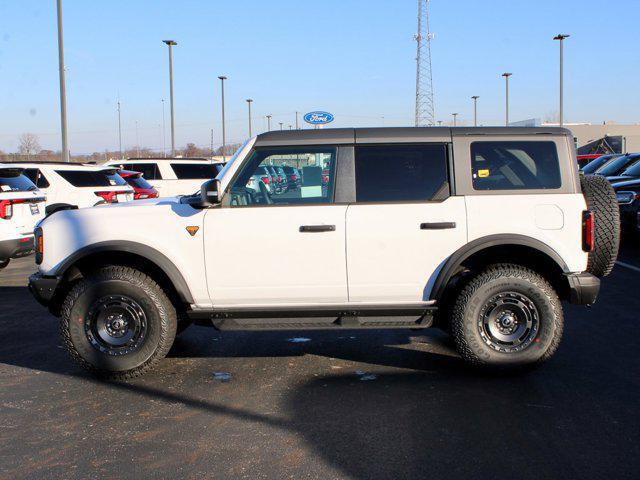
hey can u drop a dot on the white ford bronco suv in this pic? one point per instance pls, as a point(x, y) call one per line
point(479, 231)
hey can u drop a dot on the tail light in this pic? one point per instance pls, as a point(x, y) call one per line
point(279, 179)
point(39, 244)
point(6, 207)
point(111, 197)
point(588, 231)
point(265, 180)
point(294, 178)
point(325, 178)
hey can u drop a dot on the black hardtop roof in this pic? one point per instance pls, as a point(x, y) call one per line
point(393, 134)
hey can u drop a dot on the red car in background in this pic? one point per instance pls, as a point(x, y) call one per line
point(587, 157)
point(141, 188)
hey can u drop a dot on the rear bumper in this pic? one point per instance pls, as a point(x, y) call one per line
point(42, 287)
point(16, 247)
point(583, 287)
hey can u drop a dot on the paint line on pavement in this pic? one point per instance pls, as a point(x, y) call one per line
point(629, 266)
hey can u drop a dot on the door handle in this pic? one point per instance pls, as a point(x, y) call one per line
point(437, 225)
point(317, 228)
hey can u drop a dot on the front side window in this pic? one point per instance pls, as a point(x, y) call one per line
point(401, 173)
point(263, 180)
point(515, 165)
point(92, 178)
point(191, 171)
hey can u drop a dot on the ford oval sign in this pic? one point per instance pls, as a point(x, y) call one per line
point(318, 118)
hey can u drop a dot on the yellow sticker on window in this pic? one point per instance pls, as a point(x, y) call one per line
point(483, 173)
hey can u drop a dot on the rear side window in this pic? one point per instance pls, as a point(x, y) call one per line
point(150, 171)
point(88, 178)
point(515, 166)
point(401, 173)
point(14, 181)
point(36, 177)
point(190, 171)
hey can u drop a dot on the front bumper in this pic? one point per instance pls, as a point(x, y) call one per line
point(583, 287)
point(16, 247)
point(43, 287)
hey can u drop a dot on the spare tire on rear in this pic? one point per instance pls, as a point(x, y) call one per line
point(601, 200)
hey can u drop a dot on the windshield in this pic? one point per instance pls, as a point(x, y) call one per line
point(633, 170)
point(231, 161)
point(595, 164)
point(615, 166)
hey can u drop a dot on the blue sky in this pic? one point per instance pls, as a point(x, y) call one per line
point(354, 58)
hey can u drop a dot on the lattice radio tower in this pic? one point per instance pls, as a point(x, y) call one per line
point(425, 110)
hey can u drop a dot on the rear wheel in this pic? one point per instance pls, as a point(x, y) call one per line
point(4, 263)
point(507, 316)
point(117, 323)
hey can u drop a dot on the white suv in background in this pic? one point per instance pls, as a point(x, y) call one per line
point(76, 185)
point(21, 208)
point(172, 176)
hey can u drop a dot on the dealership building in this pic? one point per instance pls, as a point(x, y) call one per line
point(608, 137)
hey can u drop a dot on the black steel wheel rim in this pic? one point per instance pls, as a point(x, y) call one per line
point(116, 325)
point(509, 322)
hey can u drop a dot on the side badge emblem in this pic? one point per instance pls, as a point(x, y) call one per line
point(192, 230)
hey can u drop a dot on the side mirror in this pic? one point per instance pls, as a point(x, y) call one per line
point(211, 192)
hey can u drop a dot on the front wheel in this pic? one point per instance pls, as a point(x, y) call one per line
point(4, 263)
point(507, 316)
point(117, 323)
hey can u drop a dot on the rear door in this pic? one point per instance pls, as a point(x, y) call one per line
point(404, 224)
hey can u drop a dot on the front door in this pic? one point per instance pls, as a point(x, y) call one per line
point(278, 247)
point(404, 224)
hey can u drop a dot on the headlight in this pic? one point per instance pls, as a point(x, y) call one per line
point(625, 198)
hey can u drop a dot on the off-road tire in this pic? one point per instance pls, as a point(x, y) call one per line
point(117, 280)
point(466, 321)
point(4, 263)
point(601, 200)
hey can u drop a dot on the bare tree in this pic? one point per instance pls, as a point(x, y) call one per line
point(29, 144)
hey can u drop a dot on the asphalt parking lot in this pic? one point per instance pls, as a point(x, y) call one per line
point(361, 405)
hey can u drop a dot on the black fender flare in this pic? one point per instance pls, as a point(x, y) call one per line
point(139, 249)
point(459, 256)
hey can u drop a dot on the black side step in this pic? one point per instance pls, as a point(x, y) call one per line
point(316, 318)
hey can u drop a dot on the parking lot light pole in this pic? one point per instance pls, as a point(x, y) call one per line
point(120, 132)
point(171, 43)
point(280, 123)
point(506, 76)
point(297, 125)
point(455, 121)
point(561, 37)
point(475, 110)
point(63, 91)
point(249, 104)
point(224, 133)
point(268, 123)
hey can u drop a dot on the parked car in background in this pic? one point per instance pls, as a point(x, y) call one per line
point(595, 164)
point(282, 178)
point(628, 194)
point(141, 188)
point(262, 175)
point(618, 165)
point(277, 184)
point(294, 178)
point(584, 159)
point(75, 185)
point(22, 206)
point(172, 176)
